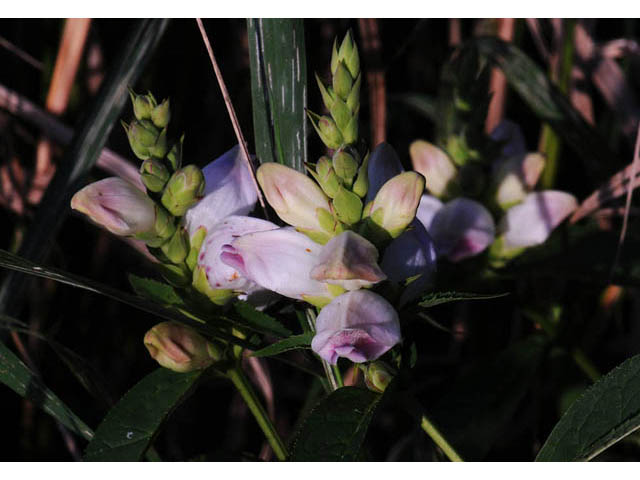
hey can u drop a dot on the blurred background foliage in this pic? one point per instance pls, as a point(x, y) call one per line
point(482, 370)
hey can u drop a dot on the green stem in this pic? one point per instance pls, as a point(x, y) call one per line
point(249, 395)
point(332, 373)
point(337, 375)
point(439, 440)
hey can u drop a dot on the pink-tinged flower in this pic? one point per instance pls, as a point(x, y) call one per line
point(229, 190)
point(411, 256)
point(117, 205)
point(177, 347)
point(279, 260)
point(296, 198)
point(434, 165)
point(383, 165)
point(358, 325)
point(516, 177)
point(510, 134)
point(394, 207)
point(350, 261)
point(532, 221)
point(219, 274)
point(462, 228)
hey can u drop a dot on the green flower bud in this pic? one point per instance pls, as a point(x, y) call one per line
point(353, 100)
point(350, 132)
point(378, 375)
point(197, 239)
point(177, 275)
point(348, 54)
point(326, 177)
point(328, 96)
point(178, 347)
point(327, 130)
point(144, 132)
point(160, 148)
point(163, 229)
point(184, 189)
point(361, 185)
point(345, 166)
point(348, 206)
point(143, 105)
point(342, 81)
point(154, 174)
point(161, 114)
point(175, 154)
point(201, 283)
point(177, 248)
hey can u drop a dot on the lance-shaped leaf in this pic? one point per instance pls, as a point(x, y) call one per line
point(606, 413)
point(279, 90)
point(131, 425)
point(336, 427)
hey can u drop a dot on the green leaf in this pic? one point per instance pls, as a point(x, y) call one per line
point(14, 262)
point(279, 90)
point(83, 152)
point(336, 427)
point(132, 424)
point(547, 101)
point(606, 413)
point(155, 291)
point(19, 378)
point(292, 343)
point(438, 298)
point(260, 321)
point(475, 409)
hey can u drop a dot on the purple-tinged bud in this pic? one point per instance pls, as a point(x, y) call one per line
point(295, 197)
point(395, 205)
point(327, 130)
point(154, 174)
point(178, 348)
point(350, 261)
point(434, 164)
point(358, 325)
point(279, 260)
point(462, 228)
point(116, 205)
point(383, 165)
point(531, 222)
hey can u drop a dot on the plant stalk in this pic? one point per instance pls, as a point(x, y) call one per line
point(439, 440)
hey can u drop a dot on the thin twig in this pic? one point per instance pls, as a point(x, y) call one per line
point(37, 64)
point(232, 112)
point(371, 46)
point(625, 221)
point(498, 81)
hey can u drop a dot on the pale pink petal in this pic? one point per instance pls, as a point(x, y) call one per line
point(434, 165)
point(229, 190)
point(461, 229)
point(358, 325)
point(280, 260)
point(532, 221)
point(427, 209)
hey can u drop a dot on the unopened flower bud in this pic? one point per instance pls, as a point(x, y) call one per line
point(154, 174)
point(174, 156)
point(195, 243)
point(184, 189)
point(143, 105)
point(361, 185)
point(348, 206)
point(378, 376)
point(295, 197)
point(178, 347)
point(219, 296)
point(327, 130)
point(345, 166)
point(116, 205)
point(516, 177)
point(348, 53)
point(342, 81)
point(145, 139)
point(394, 207)
point(326, 177)
point(434, 164)
point(161, 114)
point(177, 248)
